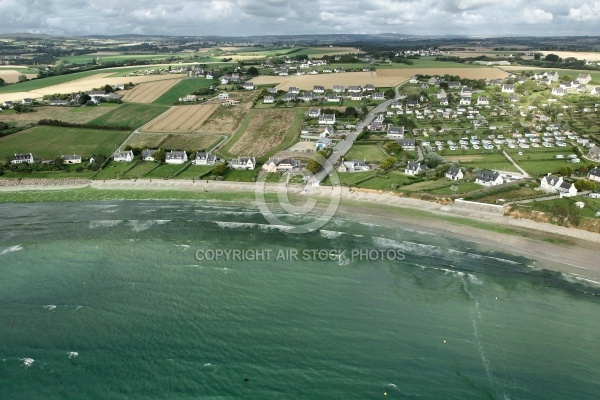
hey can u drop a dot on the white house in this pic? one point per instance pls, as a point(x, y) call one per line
point(22, 159)
point(466, 91)
point(268, 100)
point(248, 85)
point(327, 119)
point(489, 178)
point(243, 163)
point(407, 144)
point(550, 183)
point(223, 96)
point(483, 101)
point(442, 94)
point(594, 174)
point(323, 143)
point(584, 78)
point(328, 131)
point(454, 174)
point(319, 89)
point(595, 91)
point(176, 157)
point(395, 132)
point(465, 101)
point(558, 91)
point(123, 156)
point(354, 166)
point(281, 165)
point(567, 189)
point(71, 159)
point(148, 154)
point(204, 158)
point(508, 88)
point(314, 112)
point(414, 168)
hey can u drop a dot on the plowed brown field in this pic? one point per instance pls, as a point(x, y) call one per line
point(148, 92)
point(182, 119)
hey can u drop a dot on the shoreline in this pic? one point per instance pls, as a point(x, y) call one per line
point(559, 248)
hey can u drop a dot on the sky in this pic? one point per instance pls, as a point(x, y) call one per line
point(283, 17)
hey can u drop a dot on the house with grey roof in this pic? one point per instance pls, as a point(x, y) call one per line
point(176, 157)
point(489, 178)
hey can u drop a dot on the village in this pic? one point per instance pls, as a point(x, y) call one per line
point(526, 136)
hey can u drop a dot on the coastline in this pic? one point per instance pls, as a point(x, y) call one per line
point(559, 248)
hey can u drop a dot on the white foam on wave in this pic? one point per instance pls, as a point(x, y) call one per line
point(50, 307)
point(184, 246)
point(73, 354)
point(27, 362)
point(330, 234)
point(11, 249)
point(408, 247)
point(574, 278)
point(235, 225)
point(142, 225)
point(105, 223)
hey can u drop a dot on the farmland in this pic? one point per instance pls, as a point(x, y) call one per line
point(132, 115)
point(49, 142)
point(148, 92)
point(387, 77)
point(170, 141)
point(113, 57)
point(226, 120)
point(75, 115)
point(182, 119)
point(265, 131)
point(182, 89)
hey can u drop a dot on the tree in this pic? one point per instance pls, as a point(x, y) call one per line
point(159, 156)
point(387, 163)
point(84, 98)
point(566, 171)
point(22, 78)
point(253, 71)
point(2, 82)
point(389, 94)
point(585, 184)
point(393, 147)
point(433, 159)
point(220, 169)
point(552, 58)
point(313, 166)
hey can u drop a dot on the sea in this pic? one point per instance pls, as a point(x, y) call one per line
point(203, 300)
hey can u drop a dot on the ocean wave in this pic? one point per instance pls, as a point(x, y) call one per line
point(105, 223)
point(142, 225)
point(27, 362)
point(235, 225)
point(73, 354)
point(330, 234)
point(50, 307)
point(574, 278)
point(11, 249)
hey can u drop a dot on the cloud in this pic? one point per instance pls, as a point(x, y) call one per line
point(271, 17)
point(586, 12)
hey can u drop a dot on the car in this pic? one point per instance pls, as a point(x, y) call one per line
point(572, 156)
point(559, 156)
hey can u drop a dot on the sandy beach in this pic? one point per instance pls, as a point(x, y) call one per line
point(556, 247)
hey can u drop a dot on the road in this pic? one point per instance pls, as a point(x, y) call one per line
point(517, 166)
point(344, 146)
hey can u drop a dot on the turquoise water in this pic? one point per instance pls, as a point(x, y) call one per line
point(111, 300)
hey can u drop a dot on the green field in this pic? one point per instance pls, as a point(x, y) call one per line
point(182, 89)
point(89, 58)
point(140, 170)
point(113, 170)
point(164, 171)
point(241, 175)
point(194, 171)
point(495, 161)
point(461, 188)
point(49, 142)
point(367, 152)
point(131, 115)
